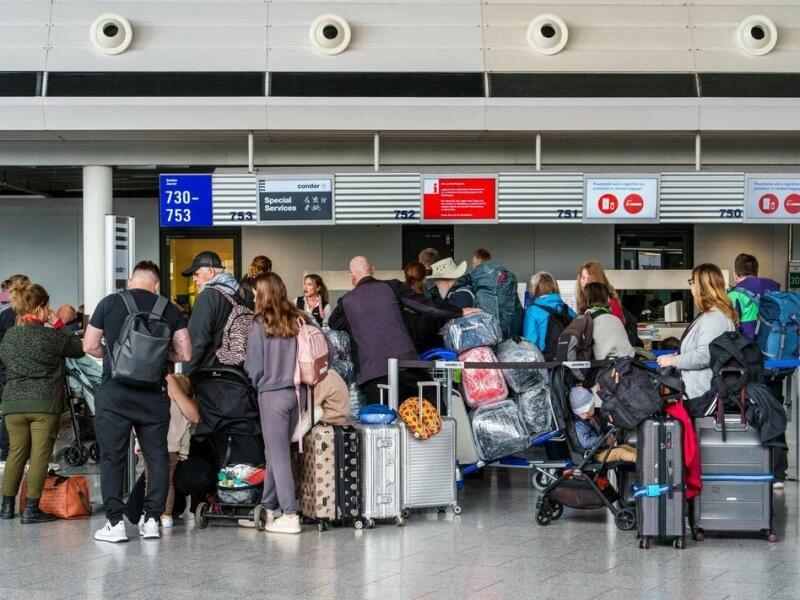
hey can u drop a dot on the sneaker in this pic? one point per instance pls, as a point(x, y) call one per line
point(249, 523)
point(112, 533)
point(149, 529)
point(777, 485)
point(53, 467)
point(285, 524)
point(166, 521)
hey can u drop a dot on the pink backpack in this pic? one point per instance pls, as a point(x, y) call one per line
point(312, 355)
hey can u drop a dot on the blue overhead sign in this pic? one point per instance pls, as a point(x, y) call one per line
point(186, 201)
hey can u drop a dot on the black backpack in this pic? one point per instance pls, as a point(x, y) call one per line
point(557, 321)
point(140, 353)
point(631, 391)
point(575, 344)
point(736, 360)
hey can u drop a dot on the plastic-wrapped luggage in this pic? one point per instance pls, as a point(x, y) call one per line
point(478, 329)
point(521, 380)
point(339, 344)
point(482, 386)
point(498, 430)
point(356, 400)
point(534, 408)
point(345, 369)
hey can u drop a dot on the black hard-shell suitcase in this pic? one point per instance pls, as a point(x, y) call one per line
point(660, 488)
point(330, 483)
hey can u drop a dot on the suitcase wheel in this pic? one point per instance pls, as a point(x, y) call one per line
point(456, 510)
point(772, 537)
point(699, 535)
point(398, 521)
point(679, 543)
point(406, 513)
point(644, 543)
point(323, 526)
point(359, 524)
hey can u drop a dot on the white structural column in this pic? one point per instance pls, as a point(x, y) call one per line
point(97, 203)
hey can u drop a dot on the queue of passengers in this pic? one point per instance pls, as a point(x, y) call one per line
point(385, 319)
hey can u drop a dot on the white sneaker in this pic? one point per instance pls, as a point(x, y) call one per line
point(149, 529)
point(285, 524)
point(249, 523)
point(53, 467)
point(777, 485)
point(166, 521)
point(112, 533)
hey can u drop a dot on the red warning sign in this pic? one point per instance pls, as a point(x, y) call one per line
point(633, 204)
point(792, 204)
point(768, 203)
point(459, 198)
point(608, 204)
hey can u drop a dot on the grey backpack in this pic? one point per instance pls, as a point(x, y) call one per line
point(140, 353)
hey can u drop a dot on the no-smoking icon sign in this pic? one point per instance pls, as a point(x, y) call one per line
point(792, 204)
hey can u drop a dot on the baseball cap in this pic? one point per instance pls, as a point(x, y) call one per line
point(207, 258)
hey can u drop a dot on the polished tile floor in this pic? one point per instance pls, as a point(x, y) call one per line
point(493, 550)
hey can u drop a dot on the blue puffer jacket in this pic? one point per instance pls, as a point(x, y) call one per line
point(534, 328)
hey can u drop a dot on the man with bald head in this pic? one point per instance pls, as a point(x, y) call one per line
point(372, 313)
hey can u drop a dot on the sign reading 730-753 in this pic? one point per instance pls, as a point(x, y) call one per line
point(185, 200)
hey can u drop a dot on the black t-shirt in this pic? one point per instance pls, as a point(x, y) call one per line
point(111, 312)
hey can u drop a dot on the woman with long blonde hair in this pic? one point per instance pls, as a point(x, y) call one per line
point(717, 316)
point(270, 364)
point(593, 272)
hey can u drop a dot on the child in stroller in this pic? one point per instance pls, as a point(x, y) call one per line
point(591, 430)
point(586, 485)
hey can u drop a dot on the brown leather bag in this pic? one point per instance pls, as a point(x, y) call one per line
point(65, 497)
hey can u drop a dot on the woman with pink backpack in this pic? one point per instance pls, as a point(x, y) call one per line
point(272, 365)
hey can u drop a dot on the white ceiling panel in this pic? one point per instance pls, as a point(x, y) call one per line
point(24, 27)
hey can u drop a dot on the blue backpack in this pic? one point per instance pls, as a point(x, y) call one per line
point(495, 289)
point(778, 329)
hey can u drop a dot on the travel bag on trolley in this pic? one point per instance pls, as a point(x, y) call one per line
point(428, 466)
point(380, 470)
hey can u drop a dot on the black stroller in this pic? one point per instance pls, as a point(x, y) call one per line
point(586, 484)
point(229, 421)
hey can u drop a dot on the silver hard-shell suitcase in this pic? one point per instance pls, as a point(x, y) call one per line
point(428, 467)
point(660, 499)
point(737, 480)
point(380, 472)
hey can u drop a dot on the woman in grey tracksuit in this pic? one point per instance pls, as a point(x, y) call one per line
point(270, 364)
point(716, 317)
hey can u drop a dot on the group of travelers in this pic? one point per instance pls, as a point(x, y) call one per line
point(384, 319)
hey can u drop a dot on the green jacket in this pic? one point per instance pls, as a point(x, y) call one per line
point(32, 357)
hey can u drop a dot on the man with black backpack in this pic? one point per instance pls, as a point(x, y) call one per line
point(142, 331)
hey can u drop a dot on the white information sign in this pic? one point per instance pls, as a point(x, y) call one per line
point(772, 199)
point(620, 198)
point(120, 252)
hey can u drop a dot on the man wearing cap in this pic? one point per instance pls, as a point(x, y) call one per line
point(444, 274)
point(372, 313)
point(211, 309)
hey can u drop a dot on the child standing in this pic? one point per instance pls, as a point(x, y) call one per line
point(183, 415)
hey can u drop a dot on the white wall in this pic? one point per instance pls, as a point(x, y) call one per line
point(719, 244)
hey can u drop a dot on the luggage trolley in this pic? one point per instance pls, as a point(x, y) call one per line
point(543, 472)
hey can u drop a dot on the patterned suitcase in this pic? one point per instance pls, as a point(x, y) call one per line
point(428, 467)
point(330, 487)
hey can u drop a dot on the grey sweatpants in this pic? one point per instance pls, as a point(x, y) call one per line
point(278, 419)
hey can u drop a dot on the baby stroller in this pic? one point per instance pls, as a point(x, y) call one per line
point(586, 485)
point(83, 376)
point(229, 421)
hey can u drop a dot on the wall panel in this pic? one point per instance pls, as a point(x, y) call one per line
point(24, 29)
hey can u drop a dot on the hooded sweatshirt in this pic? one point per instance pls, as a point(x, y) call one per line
point(746, 306)
point(206, 325)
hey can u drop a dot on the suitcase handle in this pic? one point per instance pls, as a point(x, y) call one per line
point(382, 387)
point(434, 384)
point(728, 426)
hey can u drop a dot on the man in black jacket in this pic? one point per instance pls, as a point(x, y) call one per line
point(211, 309)
point(372, 314)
